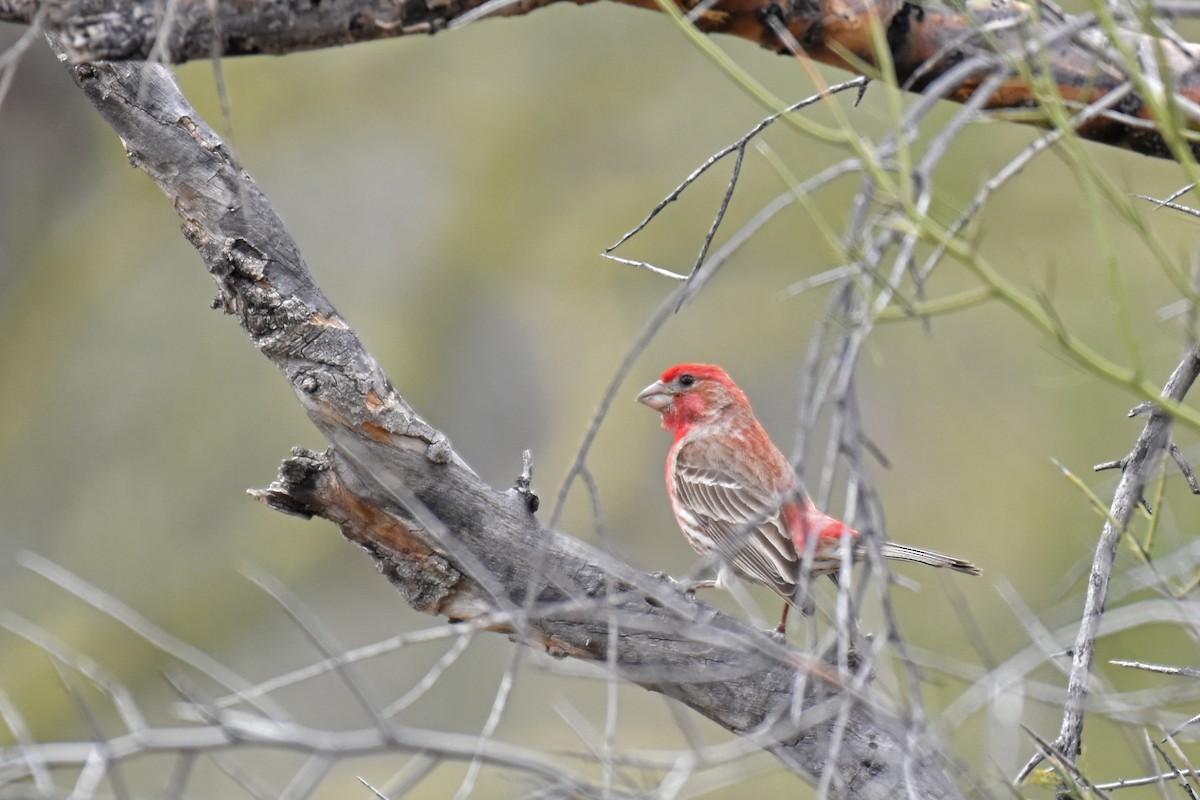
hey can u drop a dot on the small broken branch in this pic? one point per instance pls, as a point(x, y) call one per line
point(451, 544)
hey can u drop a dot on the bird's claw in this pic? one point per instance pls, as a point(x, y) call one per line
point(663, 577)
point(690, 591)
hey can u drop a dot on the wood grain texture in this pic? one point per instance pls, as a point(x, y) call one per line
point(456, 547)
point(944, 51)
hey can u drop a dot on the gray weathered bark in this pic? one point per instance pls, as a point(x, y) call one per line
point(947, 51)
point(451, 544)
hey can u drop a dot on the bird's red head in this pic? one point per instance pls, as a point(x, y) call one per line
point(709, 372)
point(691, 394)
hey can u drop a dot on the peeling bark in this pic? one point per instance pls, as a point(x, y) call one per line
point(456, 547)
point(927, 46)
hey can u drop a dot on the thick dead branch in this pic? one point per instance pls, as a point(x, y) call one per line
point(924, 44)
point(450, 543)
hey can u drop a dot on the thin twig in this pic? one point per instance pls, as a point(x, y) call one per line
point(1147, 780)
point(143, 627)
point(324, 641)
point(737, 146)
point(1162, 669)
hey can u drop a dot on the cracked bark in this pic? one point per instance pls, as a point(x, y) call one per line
point(924, 44)
point(451, 544)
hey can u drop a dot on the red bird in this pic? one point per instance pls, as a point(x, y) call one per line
point(735, 494)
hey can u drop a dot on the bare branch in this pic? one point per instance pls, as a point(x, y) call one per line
point(235, 728)
point(1187, 672)
point(454, 546)
point(923, 44)
point(1148, 780)
point(1151, 445)
point(139, 624)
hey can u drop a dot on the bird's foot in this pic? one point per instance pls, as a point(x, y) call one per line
point(690, 591)
point(661, 577)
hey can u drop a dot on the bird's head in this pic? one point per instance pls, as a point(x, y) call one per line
point(691, 394)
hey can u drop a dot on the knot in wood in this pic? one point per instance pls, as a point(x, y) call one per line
point(439, 451)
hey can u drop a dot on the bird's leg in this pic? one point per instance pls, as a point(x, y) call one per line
point(724, 576)
point(780, 631)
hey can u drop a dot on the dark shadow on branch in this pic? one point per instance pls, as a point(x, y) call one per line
point(454, 546)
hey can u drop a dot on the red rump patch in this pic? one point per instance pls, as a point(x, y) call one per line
point(807, 518)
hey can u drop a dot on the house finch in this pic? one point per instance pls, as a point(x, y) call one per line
point(734, 493)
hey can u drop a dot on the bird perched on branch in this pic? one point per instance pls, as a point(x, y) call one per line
point(735, 494)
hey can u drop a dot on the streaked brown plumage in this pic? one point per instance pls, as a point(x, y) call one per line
point(734, 493)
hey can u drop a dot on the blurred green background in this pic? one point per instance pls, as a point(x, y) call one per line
point(452, 195)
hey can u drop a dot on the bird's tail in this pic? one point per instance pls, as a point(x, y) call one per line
point(903, 552)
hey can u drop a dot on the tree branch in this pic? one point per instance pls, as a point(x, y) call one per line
point(923, 44)
point(450, 543)
point(233, 729)
point(1150, 446)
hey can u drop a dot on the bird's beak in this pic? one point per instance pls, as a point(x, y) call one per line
point(656, 395)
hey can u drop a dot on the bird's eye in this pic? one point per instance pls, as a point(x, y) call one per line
point(686, 380)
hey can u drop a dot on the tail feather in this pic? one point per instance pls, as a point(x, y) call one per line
point(903, 552)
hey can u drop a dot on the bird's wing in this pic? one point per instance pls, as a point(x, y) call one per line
point(724, 506)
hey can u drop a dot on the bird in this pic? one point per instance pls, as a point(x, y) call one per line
point(736, 495)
